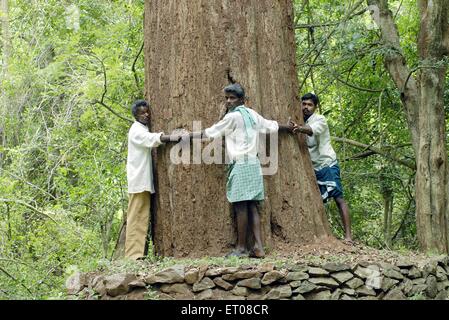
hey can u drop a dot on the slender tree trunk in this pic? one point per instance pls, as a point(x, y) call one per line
point(6, 45)
point(432, 167)
point(388, 217)
point(6, 39)
point(386, 189)
point(192, 48)
point(119, 249)
point(396, 65)
point(424, 107)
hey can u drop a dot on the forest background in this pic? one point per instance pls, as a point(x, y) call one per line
point(70, 71)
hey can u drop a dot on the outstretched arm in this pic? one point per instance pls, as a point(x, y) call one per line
point(289, 127)
point(193, 135)
point(285, 128)
point(170, 138)
point(292, 127)
point(216, 130)
point(197, 135)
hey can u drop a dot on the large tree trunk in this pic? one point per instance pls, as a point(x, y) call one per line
point(192, 48)
point(424, 106)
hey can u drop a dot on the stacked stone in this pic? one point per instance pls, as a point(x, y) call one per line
point(330, 281)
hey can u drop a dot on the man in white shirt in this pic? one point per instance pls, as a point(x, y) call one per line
point(140, 178)
point(245, 188)
point(324, 159)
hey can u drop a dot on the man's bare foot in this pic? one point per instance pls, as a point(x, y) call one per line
point(257, 253)
point(237, 253)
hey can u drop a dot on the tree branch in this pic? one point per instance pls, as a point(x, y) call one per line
point(105, 90)
point(133, 68)
point(353, 85)
point(360, 155)
point(325, 42)
point(413, 71)
point(330, 24)
point(29, 183)
point(112, 111)
point(376, 150)
point(15, 280)
point(105, 83)
point(23, 203)
point(15, 261)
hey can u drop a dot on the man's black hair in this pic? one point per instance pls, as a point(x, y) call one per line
point(137, 104)
point(236, 89)
point(311, 96)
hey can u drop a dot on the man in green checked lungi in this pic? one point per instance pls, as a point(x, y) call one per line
point(244, 188)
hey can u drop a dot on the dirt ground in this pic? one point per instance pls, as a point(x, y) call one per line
point(334, 250)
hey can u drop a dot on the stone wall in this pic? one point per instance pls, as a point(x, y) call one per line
point(334, 281)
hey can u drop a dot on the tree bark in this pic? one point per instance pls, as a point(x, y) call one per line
point(6, 45)
point(424, 105)
point(388, 218)
point(432, 167)
point(386, 189)
point(6, 39)
point(192, 49)
point(396, 64)
point(119, 249)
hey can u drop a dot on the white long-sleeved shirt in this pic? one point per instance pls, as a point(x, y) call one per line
point(321, 152)
point(238, 144)
point(139, 166)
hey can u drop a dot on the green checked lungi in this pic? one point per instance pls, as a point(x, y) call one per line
point(245, 181)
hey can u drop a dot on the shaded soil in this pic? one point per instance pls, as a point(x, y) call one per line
point(334, 250)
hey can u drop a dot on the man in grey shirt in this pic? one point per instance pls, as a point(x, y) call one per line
point(324, 158)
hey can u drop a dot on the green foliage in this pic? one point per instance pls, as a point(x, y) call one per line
point(62, 181)
point(40, 254)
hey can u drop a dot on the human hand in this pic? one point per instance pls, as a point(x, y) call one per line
point(292, 126)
